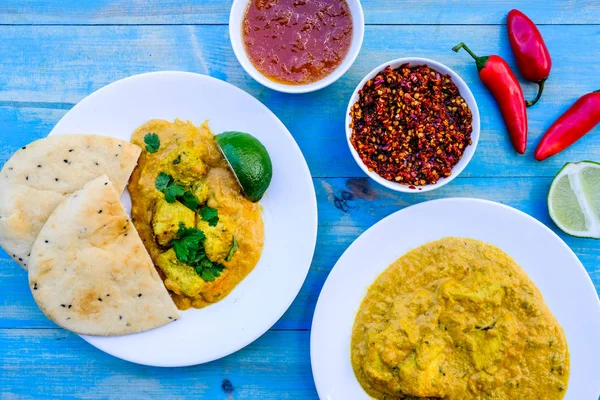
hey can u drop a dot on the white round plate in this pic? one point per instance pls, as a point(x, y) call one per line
point(547, 260)
point(236, 18)
point(290, 212)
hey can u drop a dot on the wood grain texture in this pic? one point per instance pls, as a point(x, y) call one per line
point(412, 12)
point(54, 53)
point(53, 364)
point(55, 67)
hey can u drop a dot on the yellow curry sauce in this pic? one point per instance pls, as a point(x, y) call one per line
point(191, 156)
point(458, 319)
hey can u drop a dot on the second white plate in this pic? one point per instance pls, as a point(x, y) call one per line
point(547, 260)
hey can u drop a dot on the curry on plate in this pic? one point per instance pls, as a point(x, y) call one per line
point(202, 233)
point(195, 215)
point(458, 319)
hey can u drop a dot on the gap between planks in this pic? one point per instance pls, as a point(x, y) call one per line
point(37, 104)
point(226, 24)
point(53, 328)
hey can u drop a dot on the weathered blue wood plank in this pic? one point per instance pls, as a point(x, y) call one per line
point(51, 364)
point(217, 12)
point(44, 70)
point(57, 66)
point(340, 223)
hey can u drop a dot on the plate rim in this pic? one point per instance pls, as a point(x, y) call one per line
point(306, 173)
point(318, 380)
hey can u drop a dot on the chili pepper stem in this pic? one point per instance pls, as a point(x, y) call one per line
point(539, 94)
point(462, 45)
point(480, 61)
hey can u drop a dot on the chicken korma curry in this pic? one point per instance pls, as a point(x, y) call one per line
point(203, 235)
point(458, 319)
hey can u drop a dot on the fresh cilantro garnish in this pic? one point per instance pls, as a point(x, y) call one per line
point(211, 273)
point(172, 190)
point(163, 180)
point(189, 249)
point(233, 249)
point(189, 200)
point(175, 191)
point(152, 142)
point(189, 244)
point(210, 215)
point(177, 160)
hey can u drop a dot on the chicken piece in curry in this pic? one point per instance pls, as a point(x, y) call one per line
point(184, 193)
point(458, 319)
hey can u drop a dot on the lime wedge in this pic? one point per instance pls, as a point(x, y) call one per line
point(574, 199)
point(249, 161)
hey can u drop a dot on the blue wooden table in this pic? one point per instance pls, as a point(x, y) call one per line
point(55, 52)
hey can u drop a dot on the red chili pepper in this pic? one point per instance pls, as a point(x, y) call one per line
point(497, 76)
point(530, 50)
point(578, 120)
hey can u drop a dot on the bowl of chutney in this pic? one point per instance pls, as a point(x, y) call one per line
point(296, 46)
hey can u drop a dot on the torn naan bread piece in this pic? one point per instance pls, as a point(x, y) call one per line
point(40, 175)
point(89, 271)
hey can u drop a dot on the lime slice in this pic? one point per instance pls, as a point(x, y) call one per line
point(249, 161)
point(574, 199)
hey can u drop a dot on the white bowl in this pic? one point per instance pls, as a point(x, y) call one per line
point(465, 92)
point(236, 16)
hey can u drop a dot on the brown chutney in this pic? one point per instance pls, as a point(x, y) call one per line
point(297, 41)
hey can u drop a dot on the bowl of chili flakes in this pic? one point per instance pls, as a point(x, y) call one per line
point(412, 124)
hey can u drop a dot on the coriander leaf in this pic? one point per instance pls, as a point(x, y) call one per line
point(233, 249)
point(176, 191)
point(152, 142)
point(210, 215)
point(207, 275)
point(189, 244)
point(184, 232)
point(183, 248)
point(217, 269)
point(189, 200)
point(189, 249)
point(177, 160)
point(205, 263)
point(173, 191)
point(163, 180)
point(198, 257)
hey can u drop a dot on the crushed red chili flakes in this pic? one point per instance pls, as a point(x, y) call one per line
point(410, 125)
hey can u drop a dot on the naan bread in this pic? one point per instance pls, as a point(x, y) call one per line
point(89, 271)
point(39, 176)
